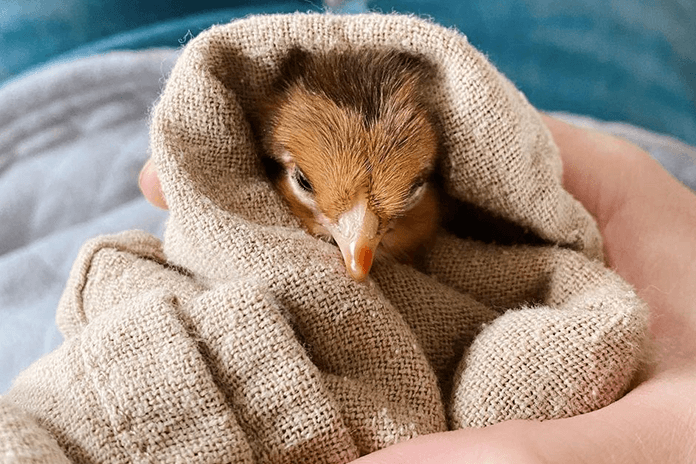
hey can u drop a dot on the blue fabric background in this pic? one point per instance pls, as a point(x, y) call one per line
point(33, 32)
point(624, 60)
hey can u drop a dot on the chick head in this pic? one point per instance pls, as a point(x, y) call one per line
point(357, 144)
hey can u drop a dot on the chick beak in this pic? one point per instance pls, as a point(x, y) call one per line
point(355, 232)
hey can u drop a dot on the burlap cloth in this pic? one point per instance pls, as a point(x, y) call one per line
point(242, 339)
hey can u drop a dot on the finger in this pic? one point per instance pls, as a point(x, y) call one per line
point(150, 185)
point(504, 443)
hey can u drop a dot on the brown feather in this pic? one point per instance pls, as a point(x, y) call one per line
point(357, 124)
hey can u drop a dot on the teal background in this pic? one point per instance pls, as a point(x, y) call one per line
point(625, 60)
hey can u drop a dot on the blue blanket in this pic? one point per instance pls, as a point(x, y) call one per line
point(624, 60)
point(627, 60)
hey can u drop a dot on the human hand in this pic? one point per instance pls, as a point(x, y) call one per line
point(648, 221)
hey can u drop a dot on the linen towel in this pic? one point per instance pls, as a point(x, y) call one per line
point(241, 338)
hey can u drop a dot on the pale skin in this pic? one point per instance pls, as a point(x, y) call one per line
point(648, 221)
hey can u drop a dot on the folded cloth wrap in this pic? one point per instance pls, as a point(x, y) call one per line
point(241, 338)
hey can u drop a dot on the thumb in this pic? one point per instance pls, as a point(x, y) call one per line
point(642, 427)
point(150, 185)
point(505, 443)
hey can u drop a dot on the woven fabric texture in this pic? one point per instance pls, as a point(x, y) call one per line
point(241, 338)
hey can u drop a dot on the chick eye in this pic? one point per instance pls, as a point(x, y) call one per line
point(302, 180)
point(416, 188)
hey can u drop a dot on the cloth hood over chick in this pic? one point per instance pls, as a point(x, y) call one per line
point(355, 143)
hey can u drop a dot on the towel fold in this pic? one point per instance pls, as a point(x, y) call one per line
point(241, 338)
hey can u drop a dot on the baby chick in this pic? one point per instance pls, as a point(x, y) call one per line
point(356, 142)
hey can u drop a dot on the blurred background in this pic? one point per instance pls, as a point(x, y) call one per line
point(623, 60)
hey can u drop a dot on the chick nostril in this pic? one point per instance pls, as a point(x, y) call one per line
point(361, 263)
point(364, 259)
